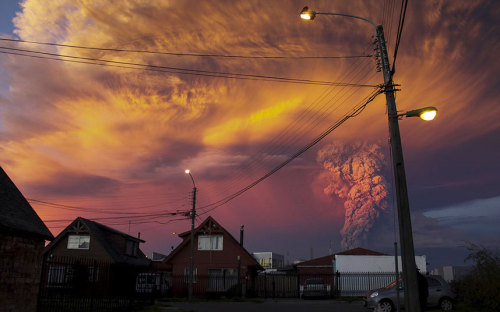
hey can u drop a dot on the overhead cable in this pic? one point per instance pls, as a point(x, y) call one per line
point(186, 54)
point(169, 69)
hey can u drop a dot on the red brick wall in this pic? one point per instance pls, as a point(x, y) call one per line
point(205, 259)
point(20, 268)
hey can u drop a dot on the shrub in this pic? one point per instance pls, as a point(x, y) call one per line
point(480, 287)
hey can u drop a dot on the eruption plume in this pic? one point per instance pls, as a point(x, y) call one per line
point(355, 174)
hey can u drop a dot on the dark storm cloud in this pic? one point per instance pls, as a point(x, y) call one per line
point(75, 184)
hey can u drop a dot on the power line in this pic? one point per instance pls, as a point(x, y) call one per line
point(356, 111)
point(402, 15)
point(168, 69)
point(184, 53)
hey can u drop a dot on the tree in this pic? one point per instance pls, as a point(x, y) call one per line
point(480, 288)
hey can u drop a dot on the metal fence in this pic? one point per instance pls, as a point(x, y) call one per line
point(293, 285)
point(359, 283)
point(82, 285)
point(69, 284)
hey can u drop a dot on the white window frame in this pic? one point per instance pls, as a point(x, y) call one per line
point(211, 242)
point(81, 242)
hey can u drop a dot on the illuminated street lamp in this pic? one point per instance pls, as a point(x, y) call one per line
point(426, 113)
point(411, 289)
point(193, 215)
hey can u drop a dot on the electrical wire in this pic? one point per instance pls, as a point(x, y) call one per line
point(168, 69)
point(184, 53)
point(402, 15)
point(356, 112)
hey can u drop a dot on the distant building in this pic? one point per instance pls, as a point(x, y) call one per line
point(22, 239)
point(353, 272)
point(270, 261)
point(221, 263)
point(452, 273)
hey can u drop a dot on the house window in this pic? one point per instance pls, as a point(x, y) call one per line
point(93, 274)
point(78, 241)
point(60, 275)
point(221, 279)
point(210, 242)
point(186, 275)
point(131, 248)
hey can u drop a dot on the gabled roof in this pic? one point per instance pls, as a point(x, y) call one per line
point(17, 215)
point(101, 232)
point(327, 260)
point(207, 226)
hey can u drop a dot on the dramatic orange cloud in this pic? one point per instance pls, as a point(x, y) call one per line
point(118, 138)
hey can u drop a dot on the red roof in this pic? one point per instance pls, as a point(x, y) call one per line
point(327, 260)
point(360, 252)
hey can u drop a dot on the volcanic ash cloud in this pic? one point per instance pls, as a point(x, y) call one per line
point(355, 174)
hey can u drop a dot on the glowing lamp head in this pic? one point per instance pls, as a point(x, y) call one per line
point(307, 15)
point(426, 113)
point(187, 171)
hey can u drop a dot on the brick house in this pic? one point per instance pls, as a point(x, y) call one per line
point(221, 264)
point(22, 239)
point(89, 255)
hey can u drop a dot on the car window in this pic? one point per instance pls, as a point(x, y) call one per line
point(433, 282)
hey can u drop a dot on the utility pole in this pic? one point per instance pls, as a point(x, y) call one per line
point(411, 291)
point(191, 260)
point(191, 257)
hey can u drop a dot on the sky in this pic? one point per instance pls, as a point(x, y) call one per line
point(129, 94)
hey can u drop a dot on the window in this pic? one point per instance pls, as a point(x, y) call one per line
point(186, 275)
point(78, 241)
point(131, 248)
point(210, 242)
point(60, 275)
point(432, 282)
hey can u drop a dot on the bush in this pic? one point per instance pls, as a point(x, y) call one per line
point(480, 287)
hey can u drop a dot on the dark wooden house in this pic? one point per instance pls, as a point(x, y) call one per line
point(89, 257)
point(22, 239)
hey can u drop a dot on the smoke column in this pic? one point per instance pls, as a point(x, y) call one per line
point(355, 174)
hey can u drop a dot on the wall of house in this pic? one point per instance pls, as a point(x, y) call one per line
point(95, 251)
point(20, 269)
point(212, 259)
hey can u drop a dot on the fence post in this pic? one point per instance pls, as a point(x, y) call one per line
point(41, 285)
point(265, 285)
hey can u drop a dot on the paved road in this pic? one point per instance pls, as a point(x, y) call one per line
point(291, 305)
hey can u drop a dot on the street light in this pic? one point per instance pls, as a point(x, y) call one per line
point(411, 290)
point(193, 214)
point(426, 113)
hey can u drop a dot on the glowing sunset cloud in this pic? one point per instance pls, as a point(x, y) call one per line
point(115, 136)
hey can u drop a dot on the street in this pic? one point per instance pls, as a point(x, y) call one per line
point(283, 305)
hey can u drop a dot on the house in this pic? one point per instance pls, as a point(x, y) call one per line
point(221, 264)
point(88, 255)
point(326, 264)
point(355, 271)
point(22, 239)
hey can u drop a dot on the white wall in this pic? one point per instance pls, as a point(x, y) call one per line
point(344, 263)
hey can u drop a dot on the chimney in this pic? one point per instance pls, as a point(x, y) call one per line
point(241, 235)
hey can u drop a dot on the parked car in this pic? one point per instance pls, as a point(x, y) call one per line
point(440, 295)
point(315, 287)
